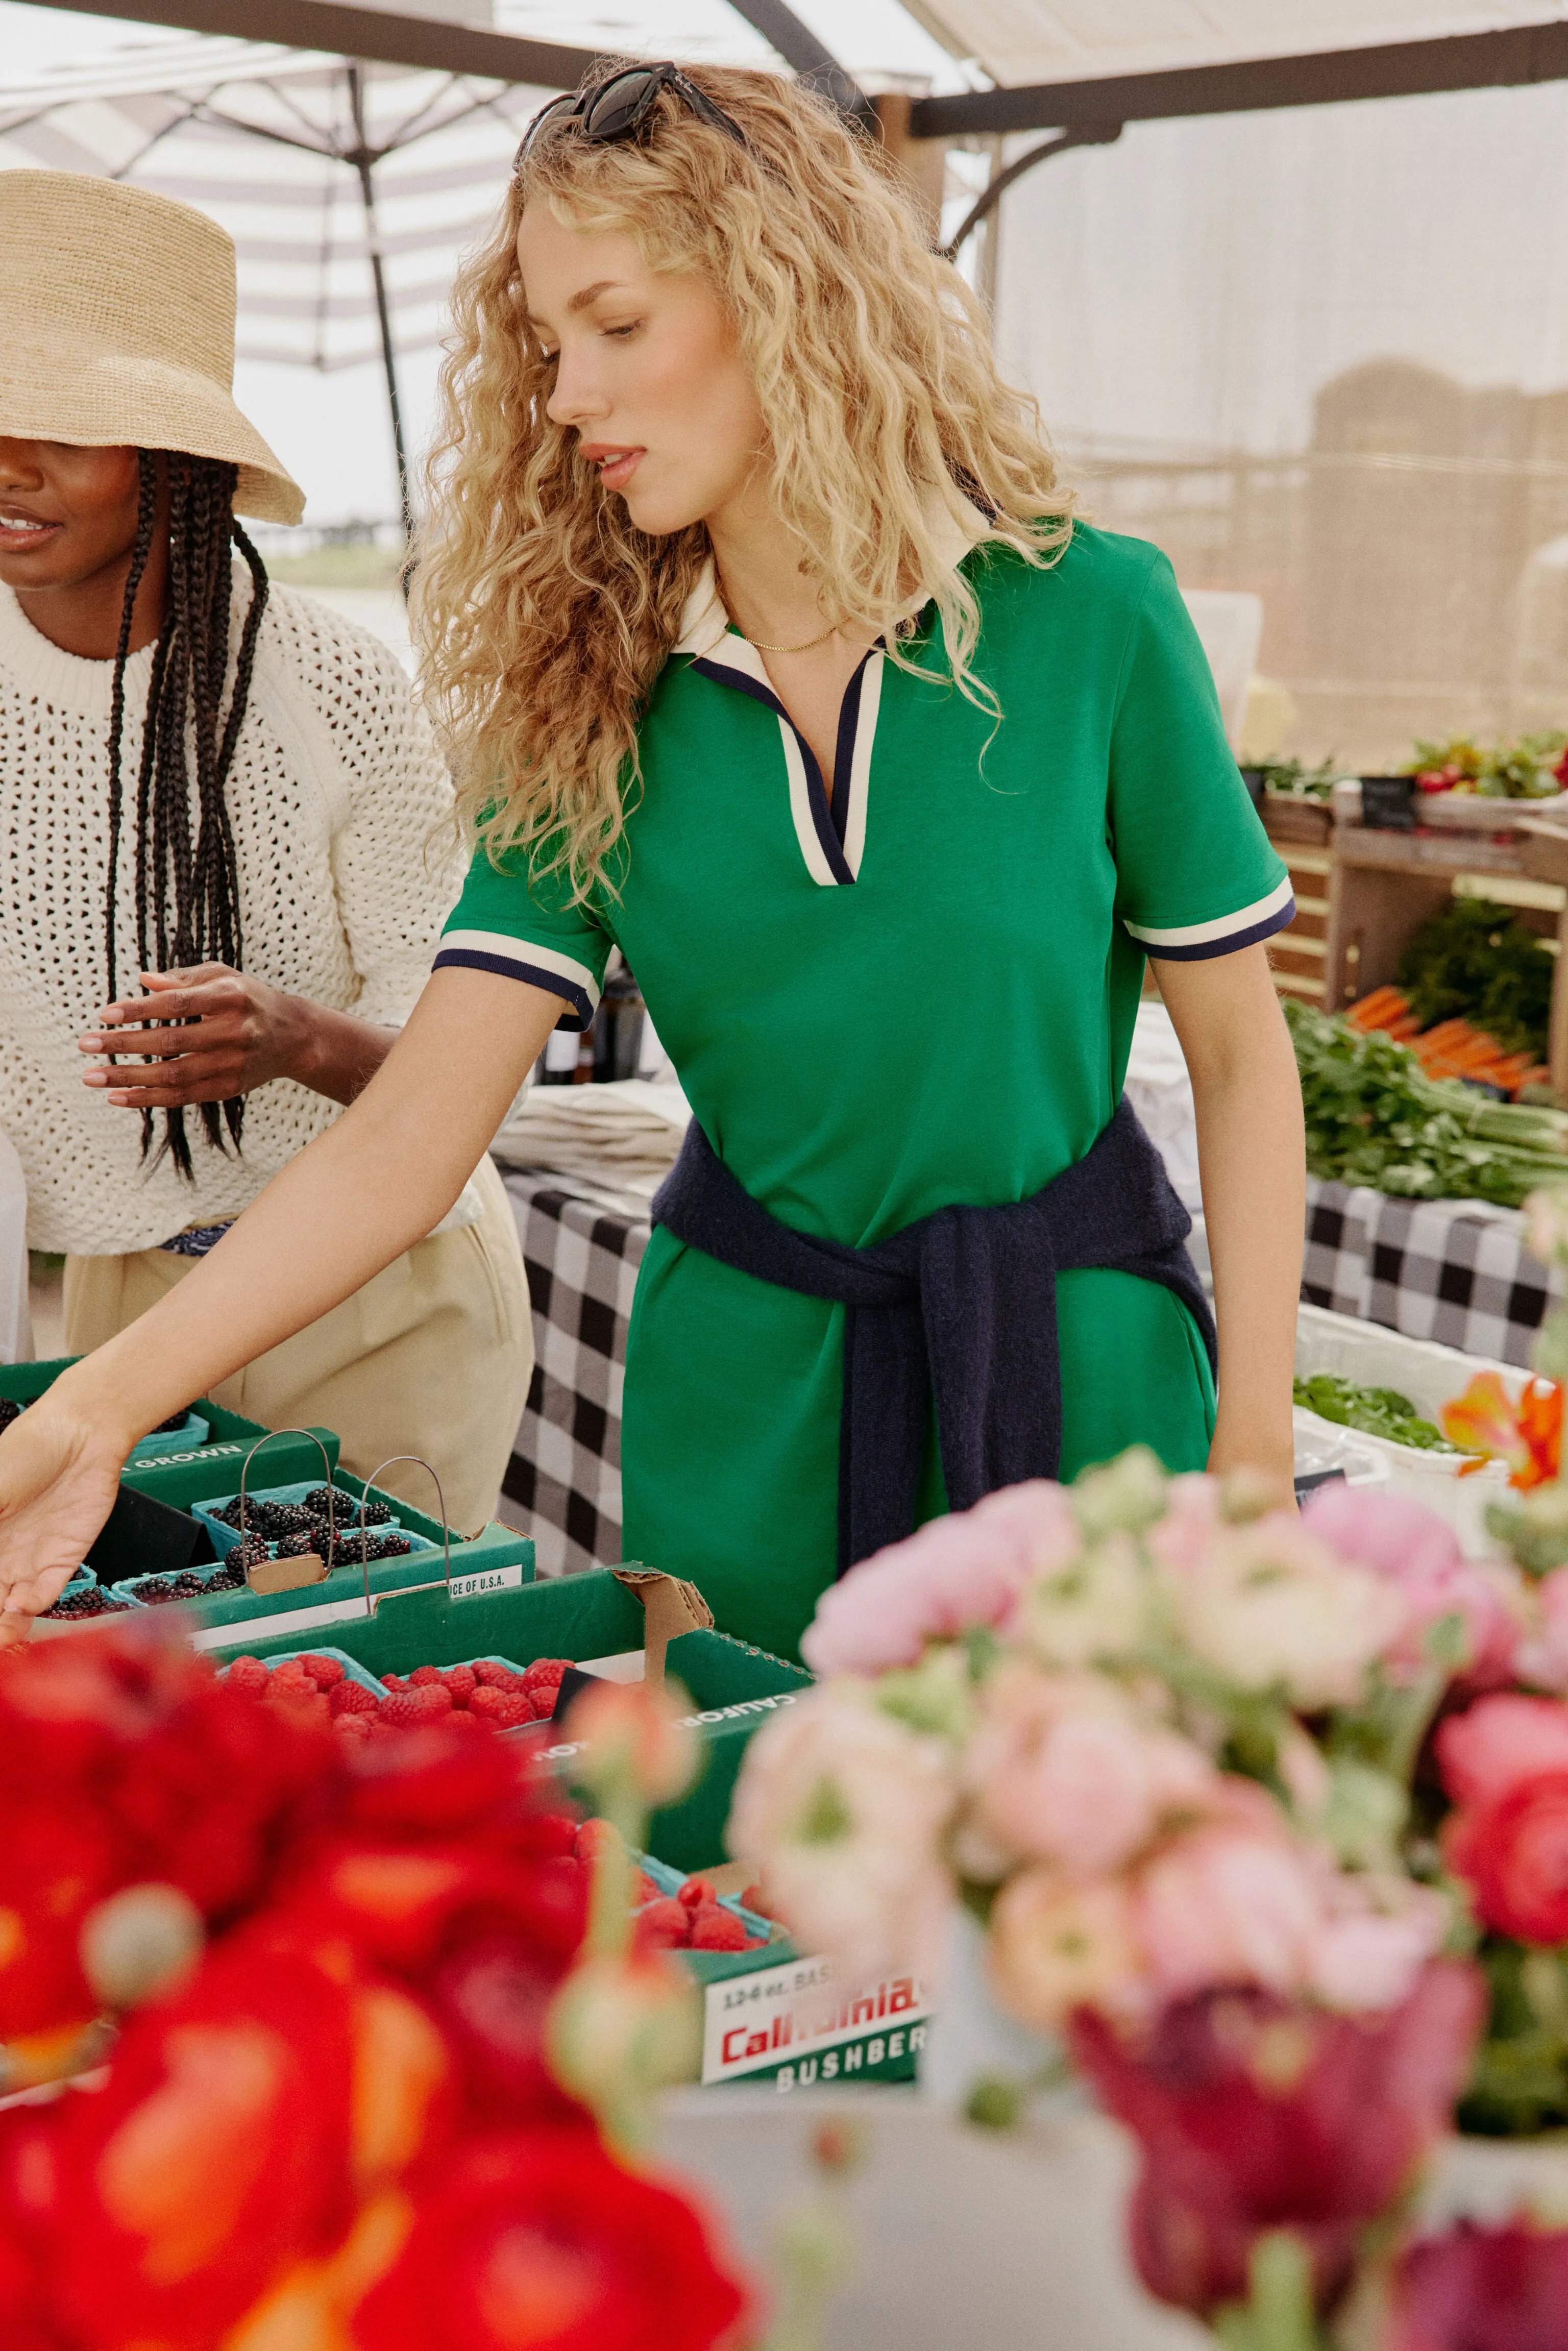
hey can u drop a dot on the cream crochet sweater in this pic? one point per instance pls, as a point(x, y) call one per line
point(334, 793)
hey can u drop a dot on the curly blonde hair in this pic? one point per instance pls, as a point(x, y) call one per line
point(544, 617)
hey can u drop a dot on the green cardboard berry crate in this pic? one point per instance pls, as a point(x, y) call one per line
point(734, 1688)
point(179, 1477)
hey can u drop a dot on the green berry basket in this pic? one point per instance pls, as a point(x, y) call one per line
point(589, 1617)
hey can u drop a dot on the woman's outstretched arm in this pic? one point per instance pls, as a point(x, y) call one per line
point(369, 1188)
point(1251, 1154)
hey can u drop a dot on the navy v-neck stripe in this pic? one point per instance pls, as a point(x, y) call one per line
point(827, 821)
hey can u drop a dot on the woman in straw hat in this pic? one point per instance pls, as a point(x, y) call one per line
point(218, 798)
point(773, 653)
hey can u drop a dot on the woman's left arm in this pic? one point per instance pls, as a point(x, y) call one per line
point(1251, 1154)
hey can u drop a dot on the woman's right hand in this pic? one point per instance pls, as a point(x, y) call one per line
point(58, 1480)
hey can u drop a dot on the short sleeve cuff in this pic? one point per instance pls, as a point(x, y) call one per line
point(525, 959)
point(1198, 942)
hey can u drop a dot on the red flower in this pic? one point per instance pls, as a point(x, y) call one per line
point(1253, 2115)
point(219, 2151)
point(1513, 1855)
point(539, 2242)
point(1481, 2290)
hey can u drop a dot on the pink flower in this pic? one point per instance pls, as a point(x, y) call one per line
point(1385, 1530)
point(1182, 1539)
point(1476, 2289)
point(1541, 1655)
point(964, 1570)
point(841, 1809)
point(1269, 1607)
point(1230, 1904)
point(1055, 1948)
point(1367, 1959)
point(1500, 1742)
point(1065, 1772)
point(1419, 1552)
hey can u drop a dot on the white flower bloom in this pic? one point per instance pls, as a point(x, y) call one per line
point(1271, 1608)
point(1093, 1609)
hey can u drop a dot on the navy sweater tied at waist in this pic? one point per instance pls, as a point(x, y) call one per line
point(960, 1307)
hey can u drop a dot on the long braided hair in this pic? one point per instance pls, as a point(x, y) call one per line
point(187, 892)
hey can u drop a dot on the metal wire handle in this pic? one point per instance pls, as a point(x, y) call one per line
point(327, 1465)
point(418, 1462)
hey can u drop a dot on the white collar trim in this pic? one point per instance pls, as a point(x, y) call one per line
point(704, 622)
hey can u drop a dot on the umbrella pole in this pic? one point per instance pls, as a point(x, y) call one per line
point(360, 159)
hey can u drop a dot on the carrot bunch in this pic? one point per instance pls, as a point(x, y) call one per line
point(1453, 1049)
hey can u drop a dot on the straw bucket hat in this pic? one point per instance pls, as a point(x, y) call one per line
point(120, 330)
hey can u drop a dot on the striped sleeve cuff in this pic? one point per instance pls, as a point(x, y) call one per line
point(525, 959)
point(1196, 942)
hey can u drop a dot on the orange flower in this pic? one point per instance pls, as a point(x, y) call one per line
point(1528, 1436)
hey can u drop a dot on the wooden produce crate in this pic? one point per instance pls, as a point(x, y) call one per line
point(1302, 831)
point(1385, 885)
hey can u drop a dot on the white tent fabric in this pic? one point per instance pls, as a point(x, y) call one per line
point(1021, 41)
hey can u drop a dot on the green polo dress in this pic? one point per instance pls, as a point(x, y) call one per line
point(915, 992)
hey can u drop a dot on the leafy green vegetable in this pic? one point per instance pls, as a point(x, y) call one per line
point(1375, 1117)
point(1302, 783)
point(1376, 1412)
point(1477, 962)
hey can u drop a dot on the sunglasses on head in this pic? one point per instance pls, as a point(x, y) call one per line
point(619, 107)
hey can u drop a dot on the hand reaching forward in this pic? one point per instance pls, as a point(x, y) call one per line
point(234, 1033)
point(58, 1478)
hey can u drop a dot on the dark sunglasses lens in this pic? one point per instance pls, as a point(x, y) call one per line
point(544, 126)
point(619, 104)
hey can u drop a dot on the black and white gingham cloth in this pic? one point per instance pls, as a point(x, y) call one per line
point(563, 1482)
point(1454, 1270)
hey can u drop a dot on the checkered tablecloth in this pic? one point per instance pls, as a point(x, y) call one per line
point(1455, 1270)
point(563, 1484)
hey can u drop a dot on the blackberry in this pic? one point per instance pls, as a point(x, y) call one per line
point(229, 1514)
point(249, 1551)
point(10, 1410)
point(160, 1589)
point(345, 1507)
point(299, 1545)
point(90, 1601)
point(167, 1427)
point(229, 1577)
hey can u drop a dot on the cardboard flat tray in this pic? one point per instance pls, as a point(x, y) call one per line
point(734, 1688)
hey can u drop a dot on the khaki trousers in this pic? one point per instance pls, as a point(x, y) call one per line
point(432, 1356)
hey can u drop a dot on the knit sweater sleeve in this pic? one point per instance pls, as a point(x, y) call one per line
point(396, 867)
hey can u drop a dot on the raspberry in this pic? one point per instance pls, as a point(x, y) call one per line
point(352, 1698)
point(493, 1675)
point(593, 1836)
point(644, 1891)
point(394, 1683)
point(404, 1712)
point(460, 1681)
point(664, 1927)
point(325, 1672)
point(426, 1677)
point(545, 1673)
point(354, 1729)
point(301, 1701)
point(695, 1892)
point(248, 1674)
point(716, 1929)
point(503, 1710)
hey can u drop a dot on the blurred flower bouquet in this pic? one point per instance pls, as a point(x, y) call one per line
point(1235, 1799)
point(367, 2026)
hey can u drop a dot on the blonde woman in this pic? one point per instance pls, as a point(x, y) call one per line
point(770, 651)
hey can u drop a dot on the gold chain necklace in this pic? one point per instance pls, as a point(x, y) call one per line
point(757, 641)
